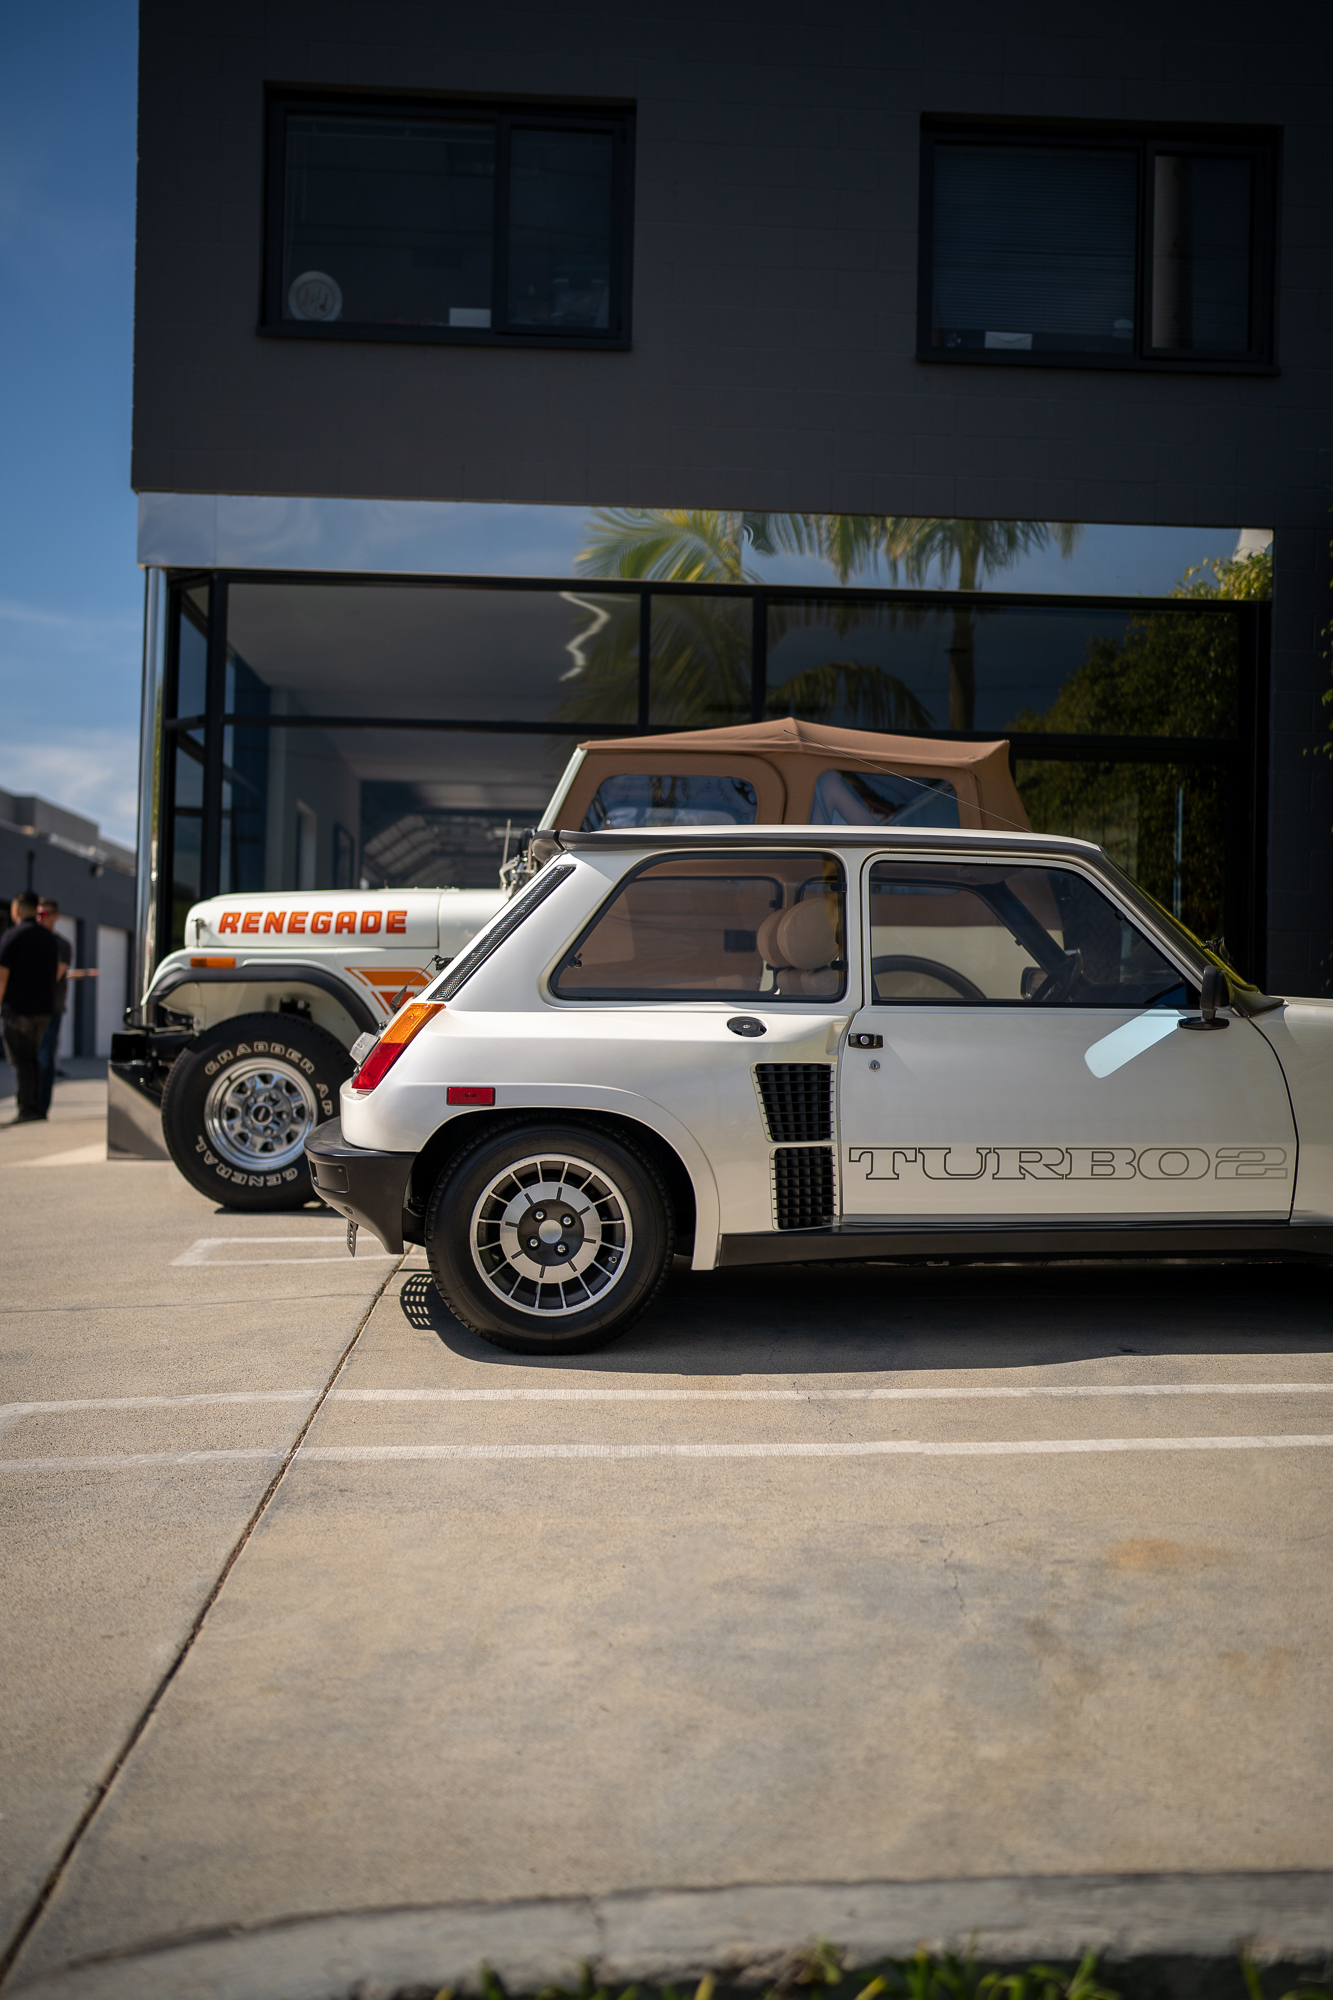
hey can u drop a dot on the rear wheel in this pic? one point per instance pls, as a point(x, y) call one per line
point(549, 1239)
point(240, 1104)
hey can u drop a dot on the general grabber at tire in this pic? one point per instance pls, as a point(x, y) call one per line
point(549, 1239)
point(241, 1102)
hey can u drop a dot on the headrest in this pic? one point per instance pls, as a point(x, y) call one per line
point(806, 936)
point(766, 941)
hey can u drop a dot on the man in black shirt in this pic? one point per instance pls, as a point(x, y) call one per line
point(29, 967)
point(48, 909)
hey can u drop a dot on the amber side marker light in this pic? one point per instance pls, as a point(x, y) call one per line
point(393, 1041)
point(213, 964)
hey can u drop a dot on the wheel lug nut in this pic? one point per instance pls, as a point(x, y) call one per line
point(534, 1243)
point(562, 1247)
point(540, 1214)
point(566, 1222)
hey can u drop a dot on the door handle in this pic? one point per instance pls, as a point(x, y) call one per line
point(865, 1041)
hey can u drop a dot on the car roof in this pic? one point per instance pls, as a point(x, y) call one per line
point(904, 839)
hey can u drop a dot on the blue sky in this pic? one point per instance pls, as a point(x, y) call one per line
point(70, 594)
point(71, 597)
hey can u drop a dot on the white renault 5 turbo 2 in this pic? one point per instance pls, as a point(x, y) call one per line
point(779, 1044)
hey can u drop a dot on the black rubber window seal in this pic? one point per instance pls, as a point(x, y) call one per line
point(461, 969)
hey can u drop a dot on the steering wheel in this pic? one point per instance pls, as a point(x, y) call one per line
point(1057, 984)
point(932, 968)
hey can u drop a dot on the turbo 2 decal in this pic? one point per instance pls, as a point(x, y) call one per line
point(1069, 1163)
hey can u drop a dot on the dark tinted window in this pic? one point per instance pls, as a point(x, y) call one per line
point(1034, 248)
point(967, 933)
point(764, 927)
point(1107, 248)
point(1202, 223)
point(440, 224)
point(388, 219)
point(561, 220)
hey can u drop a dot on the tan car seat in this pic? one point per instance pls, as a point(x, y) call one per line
point(803, 947)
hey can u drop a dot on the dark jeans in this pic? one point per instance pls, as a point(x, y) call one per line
point(22, 1035)
point(46, 1061)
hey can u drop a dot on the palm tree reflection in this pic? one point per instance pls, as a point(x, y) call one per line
point(702, 652)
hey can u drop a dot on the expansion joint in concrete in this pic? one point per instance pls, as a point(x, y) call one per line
point(102, 1790)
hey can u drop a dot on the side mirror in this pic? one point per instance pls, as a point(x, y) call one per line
point(1214, 992)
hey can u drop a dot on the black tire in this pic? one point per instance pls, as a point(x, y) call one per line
point(618, 1249)
point(240, 1103)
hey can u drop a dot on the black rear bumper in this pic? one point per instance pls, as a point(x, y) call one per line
point(369, 1188)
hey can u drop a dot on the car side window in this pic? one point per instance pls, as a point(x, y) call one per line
point(767, 927)
point(1001, 934)
point(701, 799)
point(882, 798)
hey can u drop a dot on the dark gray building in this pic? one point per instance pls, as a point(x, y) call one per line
point(414, 281)
point(60, 854)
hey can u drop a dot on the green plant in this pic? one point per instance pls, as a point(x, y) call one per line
point(1254, 1985)
point(944, 1975)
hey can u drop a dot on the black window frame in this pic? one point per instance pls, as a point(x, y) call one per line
point(1260, 144)
point(615, 117)
point(1240, 758)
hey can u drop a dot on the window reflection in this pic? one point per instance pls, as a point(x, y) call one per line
point(702, 649)
point(1164, 824)
point(1017, 669)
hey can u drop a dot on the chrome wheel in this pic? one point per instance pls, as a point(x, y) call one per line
point(551, 1235)
point(260, 1114)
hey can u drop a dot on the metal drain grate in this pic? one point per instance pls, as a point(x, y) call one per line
point(797, 1100)
point(803, 1186)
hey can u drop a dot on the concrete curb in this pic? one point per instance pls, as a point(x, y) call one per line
point(740, 1933)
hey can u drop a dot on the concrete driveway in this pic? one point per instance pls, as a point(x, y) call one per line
point(870, 1603)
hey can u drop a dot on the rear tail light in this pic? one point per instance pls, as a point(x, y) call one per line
point(393, 1041)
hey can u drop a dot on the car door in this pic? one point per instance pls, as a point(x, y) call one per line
point(1019, 1057)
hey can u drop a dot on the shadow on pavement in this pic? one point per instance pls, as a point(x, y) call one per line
point(847, 1319)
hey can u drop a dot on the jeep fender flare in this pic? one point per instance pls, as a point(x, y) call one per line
point(261, 972)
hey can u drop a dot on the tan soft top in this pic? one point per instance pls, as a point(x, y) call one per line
point(785, 757)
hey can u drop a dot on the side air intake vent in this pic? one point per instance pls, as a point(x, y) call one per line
point(797, 1100)
point(803, 1186)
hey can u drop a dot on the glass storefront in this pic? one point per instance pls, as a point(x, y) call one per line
point(333, 733)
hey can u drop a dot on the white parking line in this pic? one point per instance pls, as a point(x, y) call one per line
point(128, 1461)
point(198, 1252)
point(345, 1454)
point(820, 1395)
point(10, 1413)
point(878, 1448)
point(77, 1156)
